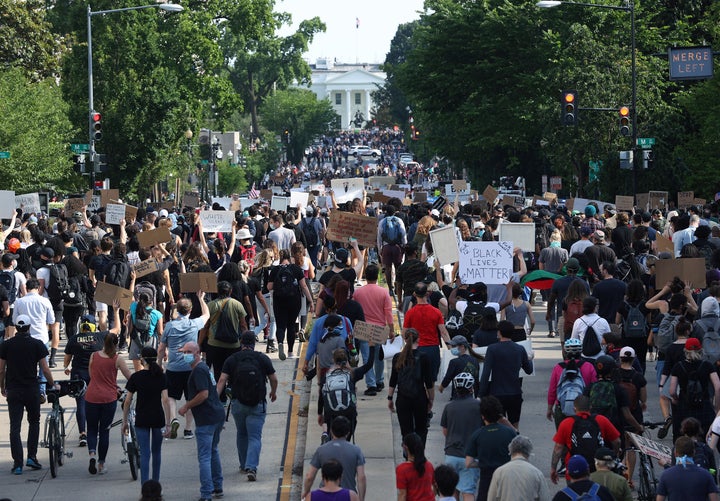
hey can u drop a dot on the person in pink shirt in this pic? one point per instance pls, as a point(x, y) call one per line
point(377, 305)
point(560, 400)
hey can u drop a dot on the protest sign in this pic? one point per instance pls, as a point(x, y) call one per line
point(490, 194)
point(108, 293)
point(664, 244)
point(659, 451)
point(322, 201)
point(658, 199)
point(488, 262)
point(579, 204)
point(380, 197)
point(381, 181)
point(130, 212)
point(73, 205)
point(699, 202)
point(450, 188)
point(320, 188)
point(266, 194)
point(459, 185)
point(643, 200)
point(420, 196)
point(394, 194)
point(114, 213)
point(690, 270)
point(520, 234)
point(374, 334)
point(29, 203)
point(7, 204)
point(109, 196)
point(146, 267)
point(685, 199)
point(222, 202)
point(88, 197)
point(344, 225)
point(153, 237)
point(279, 203)
point(195, 282)
point(624, 202)
point(242, 203)
point(445, 245)
point(346, 190)
point(190, 200)
point(214, 221)
point(299, 197)
point(549, 196)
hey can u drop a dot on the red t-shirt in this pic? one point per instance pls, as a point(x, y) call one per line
point(425, 319)
point(563, 435)
point(418, 488)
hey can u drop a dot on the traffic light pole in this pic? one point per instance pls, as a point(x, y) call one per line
point(91, 99)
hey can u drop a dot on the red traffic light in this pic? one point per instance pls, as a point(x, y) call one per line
point(96, 125)
point(96, 117)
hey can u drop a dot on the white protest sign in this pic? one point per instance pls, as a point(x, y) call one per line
point(320, 188)
point(298, 197)
point(279, 203)
point(445, 245)
point(7, 204)
point(520, 234)
point(487, 262)
point(346, 190)
point(223, 202)
point(651, 448)
point(94, 204)
point(394, 194)
point(216, 220)
point(580, 204)
point(29, 203)
point(114, 213)
point(450, 189)
point(246, 202)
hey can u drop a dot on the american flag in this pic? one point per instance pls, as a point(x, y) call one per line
point(253, 193)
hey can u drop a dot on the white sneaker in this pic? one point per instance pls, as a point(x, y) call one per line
point(291, 354)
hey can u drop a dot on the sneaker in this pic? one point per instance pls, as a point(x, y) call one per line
point(380, 386)
point(324, 438)
point(270, 348)
point(662, 432)
point(123, 350)
point(33, 464)
point(301, 336)
point(92, 467)
point(281, 348)
point(174, 425)
point(16, 470)
point(291, 354)
point(252, 475)
point(83, 440)
point(101, 469)
point(561, 471)
point(551, 334)
point(188, 434)
point(370, 392)
point(217, 493)
point(43, 398)
point(52, 364)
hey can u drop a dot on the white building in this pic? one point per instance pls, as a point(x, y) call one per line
point(348, 87)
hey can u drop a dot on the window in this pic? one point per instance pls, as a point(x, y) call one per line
point(358, 99)
point(338, 98)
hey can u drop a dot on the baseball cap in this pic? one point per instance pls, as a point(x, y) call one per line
point(459, 340)
point(577, 466)
point(586, 231)
point(13, 245)
point(604, 365)
point(248, 338)
point(693, 344)
point(573, 264)
point(435, 213)
point(309, 210)
point(163, 213)
point(47, 252)
point(341, 256)
point(627, 352)
point(8, 258)
point(604, 454)
point(599, 235)
point(22, 321)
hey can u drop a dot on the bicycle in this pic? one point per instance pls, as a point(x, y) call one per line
point(129, 442)
point(54, 431)
point(647, 485)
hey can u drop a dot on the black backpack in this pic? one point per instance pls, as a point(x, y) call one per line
point(76, 292)
point(591, 345)
point(225, 331)
point(285, 285)
point(409, 382)
point(471, 319)
point(248, 383)
point(586, 438)
point(141, 326)
point(9, 281)
point(57, 287)
point(695, 393)
point(310, 232)
point(118, 273)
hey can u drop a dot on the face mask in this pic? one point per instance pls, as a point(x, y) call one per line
point(603, 348)
point(189, 357)
point(272, 226)
point(455, 351)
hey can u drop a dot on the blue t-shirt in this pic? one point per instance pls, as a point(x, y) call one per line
point(211, 410)
point(176, 333)
point(155, 317)
point(690, 483)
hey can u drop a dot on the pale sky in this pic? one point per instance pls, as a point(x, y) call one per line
point(379, 20)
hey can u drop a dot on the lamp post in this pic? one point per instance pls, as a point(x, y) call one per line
point(630, 8)
point(169, 7)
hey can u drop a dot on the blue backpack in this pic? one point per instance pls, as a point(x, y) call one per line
point(591, 495)
point(391, 232)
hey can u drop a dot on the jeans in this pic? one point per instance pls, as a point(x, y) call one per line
point(313, 252)
point(249, 421)
point(433, 354)
point(99, 419)
point(19, 400)
point(364, 348)
point(207, 438)
point(150, 441)
point(261, 317)
point(80, 414)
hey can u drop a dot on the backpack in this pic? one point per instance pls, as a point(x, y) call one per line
point(591, 345)
point(603, 400)
point(471, 319)
point(57, 287)
point(591, 495)
point(225, 331)
point(635, 325)
point(391, 233)
point(76, 293)
point(118, 273)
point(570, 386)
point(454, 322)
point(261, 228)
point(9, 281)
point(710, 340)
point(625, 381)
point(311, 235)
point(247, 254)
point(694, 394)
point(337, 391)
point(285, 285)
point(586, 437)
point(409, 383)
point(666, 332)
point(572, 313)
point(141, 326)
point(248, 383)
point(145, 287)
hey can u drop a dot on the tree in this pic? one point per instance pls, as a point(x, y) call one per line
point(392, 102)
point(300, 113)
point(231, 179)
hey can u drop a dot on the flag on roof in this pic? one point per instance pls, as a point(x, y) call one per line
point(253, 193)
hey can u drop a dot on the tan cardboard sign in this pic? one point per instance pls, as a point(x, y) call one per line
point(643, 200)
point(664, 244)
point(73, 205)
point(108, 196)
point(459, 185)
point(685, 198)
point(146, 267)
point(380, 197)
point(420, 196)
point(153, 237)
point(658, 199)
point(266, 194)
point(690, 271)
point(549, 196)
point(107, 293)
point(624, 202)
point(699, 202)
point(195, 282)
point(344, 225)
point(374, 334)
point(130, 212)
point(490, 194)
point(191, 200)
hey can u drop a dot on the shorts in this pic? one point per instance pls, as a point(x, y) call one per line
point(469, 477)
point(512, 405)
point(100, 307)
point(391, 254)
point(136, 347)
point(177, 384)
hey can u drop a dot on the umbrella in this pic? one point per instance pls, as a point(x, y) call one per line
point(539, 279)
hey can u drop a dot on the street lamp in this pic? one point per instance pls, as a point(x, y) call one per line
point(188, 138)
point(169, 7)
point(630, 8)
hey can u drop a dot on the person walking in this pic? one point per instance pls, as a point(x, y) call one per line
point(518, 479)
point(580, 483)
point(590, 322)
point(331, 490)
point(247, 372)
point(414, 477)
point(686, 480)
point(146, 327)
point(618, 485)
point(101, 400)
point(391, 236)
point(465, 361)
point(209, 418)
point(151, 411)
point(20, 357)
point(564, 385)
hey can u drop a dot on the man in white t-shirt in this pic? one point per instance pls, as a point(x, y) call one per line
point(283, 237)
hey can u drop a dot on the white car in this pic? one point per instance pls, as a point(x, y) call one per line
point(364, 151)
point(405, 159)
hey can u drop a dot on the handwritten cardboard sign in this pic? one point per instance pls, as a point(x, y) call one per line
point(153, 237)
point(659, 451)
point(146, 267)
point(195, 282)
point(108, 196)
point(445, 245)
point(700, 202)
point(549, 196)
point(459, 185)
point(624, 202)
point(643, 200)
point(374, 334)
point(658, 199)
point(29, 203)
point(114, 213)
point(487, 262)
point(266, 194)
point(344, 225)
point(685, 199)
point(214, 221)
point(381, 181)
point(191, 200)
point(345, 190)
point(279, 203)
point(490, 194)
point(420, 196)
point(520, 234)
point(664, 244)
point(73, 205)
point(108, 293)
point(690, 271)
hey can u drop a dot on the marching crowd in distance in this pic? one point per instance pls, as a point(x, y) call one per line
point(277, 272)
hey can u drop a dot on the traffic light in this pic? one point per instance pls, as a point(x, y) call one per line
point(413, 135)
point(96, 125)
point(624, 121)
point(568, 108)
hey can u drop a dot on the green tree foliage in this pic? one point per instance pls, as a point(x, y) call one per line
point(392, 103)
point(35, 129)
point(302, 114)
point(231, 179)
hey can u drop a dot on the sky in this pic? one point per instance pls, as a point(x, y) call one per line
point(369, 43)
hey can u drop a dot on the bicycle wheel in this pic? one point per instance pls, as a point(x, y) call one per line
point(53, 447)
point(61, 440)
point(645, 492)
point(132, 459)
point(135, 449)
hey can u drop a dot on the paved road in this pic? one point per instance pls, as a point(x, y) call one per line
point(289, 441)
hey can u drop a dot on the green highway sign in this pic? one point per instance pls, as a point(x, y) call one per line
point(204, 161)
point(80, 148)
point(4, 154)
point(646, 142)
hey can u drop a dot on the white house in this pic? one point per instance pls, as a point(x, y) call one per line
point(348, 87)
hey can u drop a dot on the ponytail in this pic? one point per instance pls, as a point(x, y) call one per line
point(149, 354)
point(406, 358)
